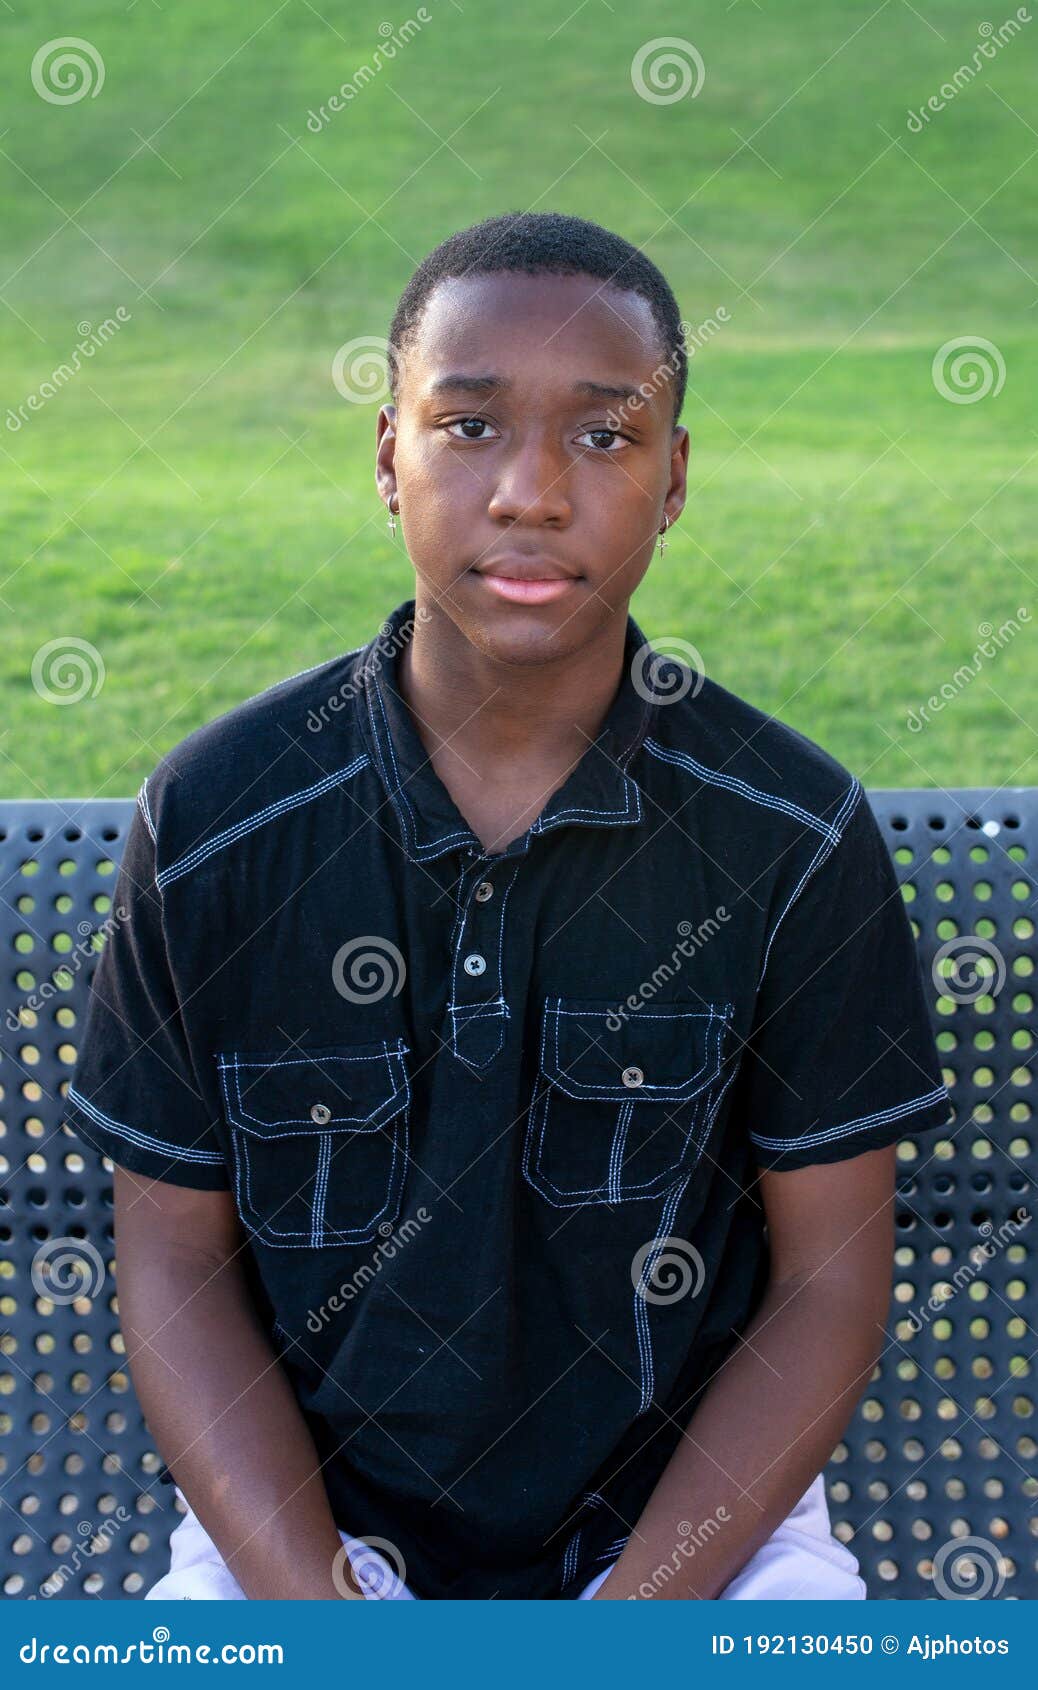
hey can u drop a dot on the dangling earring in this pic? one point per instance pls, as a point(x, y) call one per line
point(391, 522)
point(663, 530)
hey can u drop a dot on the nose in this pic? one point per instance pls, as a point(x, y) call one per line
point(531, 485)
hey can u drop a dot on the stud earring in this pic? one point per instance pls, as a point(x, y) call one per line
point(663, 530)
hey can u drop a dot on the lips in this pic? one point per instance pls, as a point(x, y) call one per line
point(518, 568)
point(526, 580)
point(522, 579)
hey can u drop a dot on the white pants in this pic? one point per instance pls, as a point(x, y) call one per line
point(801, 1559)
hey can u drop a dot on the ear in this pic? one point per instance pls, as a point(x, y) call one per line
point(677, 492)
point(385, 453)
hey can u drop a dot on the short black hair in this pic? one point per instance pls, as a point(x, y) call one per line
point(543, 243)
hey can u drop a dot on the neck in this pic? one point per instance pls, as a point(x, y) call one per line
point(500, 715)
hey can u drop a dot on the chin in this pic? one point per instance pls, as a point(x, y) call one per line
point(524, 637)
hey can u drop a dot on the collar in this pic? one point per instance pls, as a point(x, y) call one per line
point(598, 792)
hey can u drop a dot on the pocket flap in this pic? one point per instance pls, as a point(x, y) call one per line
point(276, 1094)
point(666, 1051)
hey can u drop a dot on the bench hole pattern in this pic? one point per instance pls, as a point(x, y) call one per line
point(934, 1484)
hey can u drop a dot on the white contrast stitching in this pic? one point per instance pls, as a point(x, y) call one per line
point(642, 1329)
point(677, 1089)
point(396, 786)
point(244, 1143)
point(133, 1135)
point(233, 1062)
point(612, 1188)
point(877, 1119)
point(145, 808)
point(230, 835)
point(714, 777)
point(843, 815)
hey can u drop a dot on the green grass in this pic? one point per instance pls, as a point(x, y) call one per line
point(198, 502)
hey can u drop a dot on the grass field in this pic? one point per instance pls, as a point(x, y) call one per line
point(198, 502)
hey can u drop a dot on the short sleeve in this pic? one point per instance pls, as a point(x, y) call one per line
point(841, 1057)
point(134, 1093)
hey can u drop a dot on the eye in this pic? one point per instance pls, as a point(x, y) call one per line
point(604, 439)
point(468, 424)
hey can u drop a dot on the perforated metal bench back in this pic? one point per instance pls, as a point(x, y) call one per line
point(942, 1451)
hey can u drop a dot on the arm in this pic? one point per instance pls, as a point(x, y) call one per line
point(220, 1406)
point(768, 1421)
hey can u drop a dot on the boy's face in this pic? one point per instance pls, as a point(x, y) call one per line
point(507, 462)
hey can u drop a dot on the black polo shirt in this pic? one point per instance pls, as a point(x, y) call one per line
point(493, 1123)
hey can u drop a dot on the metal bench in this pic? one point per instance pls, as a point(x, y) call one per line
point(935, 1482)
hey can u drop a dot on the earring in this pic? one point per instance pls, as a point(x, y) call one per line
point(391, 523)
point(663, 530)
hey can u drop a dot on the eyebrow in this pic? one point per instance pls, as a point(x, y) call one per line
point(461, 383)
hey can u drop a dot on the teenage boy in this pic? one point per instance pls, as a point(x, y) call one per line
point(504, 1056)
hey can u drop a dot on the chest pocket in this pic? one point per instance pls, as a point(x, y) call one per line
point(621, 1115)
point(320, 1141)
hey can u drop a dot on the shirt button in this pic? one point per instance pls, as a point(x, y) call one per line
point(484, 890)
point(632, 1077)
point(475, 964)
point(320, 1113)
